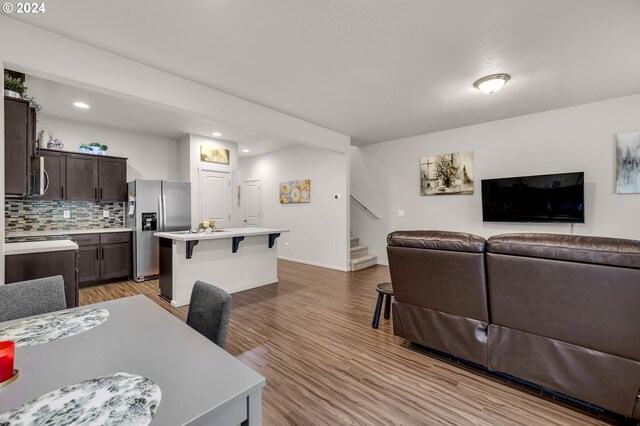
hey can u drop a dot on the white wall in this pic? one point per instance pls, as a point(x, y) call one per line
point(318, 230)
point(149, 156)
point(580, 138)
point(189, 166)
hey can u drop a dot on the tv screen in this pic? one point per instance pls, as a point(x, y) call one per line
point(543, 198)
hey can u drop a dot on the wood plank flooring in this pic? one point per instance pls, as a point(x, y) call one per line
point(310, 335)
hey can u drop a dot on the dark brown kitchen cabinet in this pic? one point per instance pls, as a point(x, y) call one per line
point(113, 179)
point(88, 264)
point(55, 168)
point(19, 141)
point(103, 257)
point(85, 177)
point(22, 267)
point(81, 178)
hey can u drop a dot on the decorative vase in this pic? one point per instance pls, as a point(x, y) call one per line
point(208, 230)
point(12, 94)
point(44, 138)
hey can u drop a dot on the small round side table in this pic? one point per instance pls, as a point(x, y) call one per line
point(385, 291)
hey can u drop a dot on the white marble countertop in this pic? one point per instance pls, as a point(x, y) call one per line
point(65, 232)
point(220, 234)
point(39, 247)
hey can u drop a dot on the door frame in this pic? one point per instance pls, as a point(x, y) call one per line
point(244, 188)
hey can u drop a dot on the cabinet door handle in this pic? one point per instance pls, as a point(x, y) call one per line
point(101, 193)
point(103, 253)
point(62, 192)
point(95, 193)
point(97, 255)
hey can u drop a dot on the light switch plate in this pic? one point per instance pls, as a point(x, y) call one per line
point(105, 213)
point(400, 213)
point(66, 214)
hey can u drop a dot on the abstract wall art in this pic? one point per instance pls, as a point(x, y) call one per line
point(628, 163)
point(295, 192)
point(214, 154)
point(447, 174)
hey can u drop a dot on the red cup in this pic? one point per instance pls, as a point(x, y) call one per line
point(7, 353)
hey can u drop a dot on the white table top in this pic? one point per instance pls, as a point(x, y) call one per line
point(220, 234)
point(196, 377)
point(65, 232)
point(39, 247)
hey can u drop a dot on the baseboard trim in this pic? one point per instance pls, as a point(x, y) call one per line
point(321, 265)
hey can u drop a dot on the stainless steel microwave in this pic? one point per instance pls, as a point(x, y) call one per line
point(39, 178)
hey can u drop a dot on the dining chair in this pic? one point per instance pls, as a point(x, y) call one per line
point(33, 297)
point(209, 312)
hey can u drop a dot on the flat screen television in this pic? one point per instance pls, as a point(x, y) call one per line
point(542, 198)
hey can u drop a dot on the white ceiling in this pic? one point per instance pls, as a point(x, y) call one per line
point(57, 101)
point(375, 69)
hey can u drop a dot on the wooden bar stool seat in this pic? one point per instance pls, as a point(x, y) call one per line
point(385, 291)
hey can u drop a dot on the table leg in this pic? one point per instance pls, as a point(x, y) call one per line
point(376, 315)
point(255, 409)
point(387, 306)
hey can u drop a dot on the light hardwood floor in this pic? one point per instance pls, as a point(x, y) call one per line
point(310, 335)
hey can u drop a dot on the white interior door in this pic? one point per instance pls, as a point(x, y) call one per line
point(252, 203)
point(215, 197)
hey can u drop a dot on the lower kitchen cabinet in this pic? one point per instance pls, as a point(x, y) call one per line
point(103, 257)
point(22, 267)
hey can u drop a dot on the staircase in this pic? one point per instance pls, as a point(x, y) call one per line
point(360, 258)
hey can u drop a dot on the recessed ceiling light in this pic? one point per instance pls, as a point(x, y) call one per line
point(81, 105)
point(245, 150)
point(216, 134)
point(491, 83)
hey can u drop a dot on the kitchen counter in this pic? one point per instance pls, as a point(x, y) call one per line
point(219, 234)
point(39, 247)
point(233, 259)
point(65, 232)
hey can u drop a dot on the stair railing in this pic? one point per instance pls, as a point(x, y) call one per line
point(376, 215)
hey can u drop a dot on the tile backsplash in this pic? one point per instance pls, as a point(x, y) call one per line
point(40, 215)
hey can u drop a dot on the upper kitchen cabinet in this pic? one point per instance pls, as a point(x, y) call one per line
point(113, 179)
point(55, 166)
point(84, 177)
point(19, 132)
point(81, 177)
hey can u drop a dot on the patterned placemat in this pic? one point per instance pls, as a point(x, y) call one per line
point(119, 399)
point(53, 326)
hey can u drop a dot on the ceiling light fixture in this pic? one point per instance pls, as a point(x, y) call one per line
point(216, 134)
point(81, 105)
point(491, 83)
point(245, 150)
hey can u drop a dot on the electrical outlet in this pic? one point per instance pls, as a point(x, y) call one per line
point(400, 213)
point(66, 214)
point(105, 213)
point(286, 245)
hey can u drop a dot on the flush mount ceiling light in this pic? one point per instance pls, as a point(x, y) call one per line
point(81, 105)
point(245, 150)
point(491, 83)
point(216, 134)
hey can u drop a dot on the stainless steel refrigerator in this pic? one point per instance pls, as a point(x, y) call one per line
point(155, 206)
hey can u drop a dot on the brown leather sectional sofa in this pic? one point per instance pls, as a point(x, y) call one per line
point(559, 311)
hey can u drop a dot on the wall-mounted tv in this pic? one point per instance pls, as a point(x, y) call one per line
point(542, 198)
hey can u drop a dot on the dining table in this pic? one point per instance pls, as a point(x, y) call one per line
point(200, 383)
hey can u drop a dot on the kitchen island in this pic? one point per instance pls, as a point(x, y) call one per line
point(233, 259)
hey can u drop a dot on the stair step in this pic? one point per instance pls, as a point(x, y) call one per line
point(354, 241)
point(358, 251)
point(362, 262)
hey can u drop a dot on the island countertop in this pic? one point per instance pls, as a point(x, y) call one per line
point(219, 234)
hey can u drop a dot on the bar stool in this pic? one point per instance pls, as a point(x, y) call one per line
point(385, 290)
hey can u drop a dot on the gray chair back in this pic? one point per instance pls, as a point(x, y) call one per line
point(34, 297)
point(209, 312)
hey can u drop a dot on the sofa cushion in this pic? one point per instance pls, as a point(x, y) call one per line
point(575, 248)
point(437, 240)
